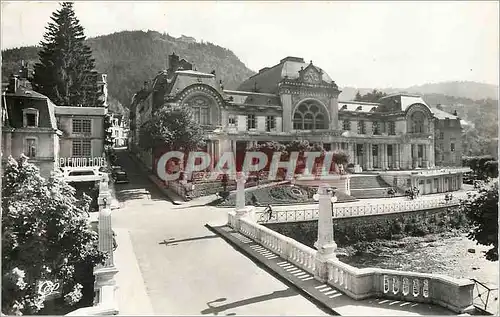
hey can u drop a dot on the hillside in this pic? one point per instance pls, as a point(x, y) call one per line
point(132, 57)
point(468, 90)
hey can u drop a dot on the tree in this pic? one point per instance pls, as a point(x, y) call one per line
point(373, 96)
point(66, 72)
point(482, 210)
point(171, 128)
point(45, 236)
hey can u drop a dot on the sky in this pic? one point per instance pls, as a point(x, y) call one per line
point(361, 44)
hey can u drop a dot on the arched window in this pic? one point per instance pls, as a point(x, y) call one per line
point(309, 116)
point(418, 120)
point(200, 107)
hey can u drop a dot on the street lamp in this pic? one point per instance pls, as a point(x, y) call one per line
point(333, 198)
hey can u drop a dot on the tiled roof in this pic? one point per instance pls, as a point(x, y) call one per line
point(267, 79)
point(26, 93)
point(252, 98)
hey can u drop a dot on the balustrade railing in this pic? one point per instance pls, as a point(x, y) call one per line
point(287, 248)
point(278, 216)
point(454, 294)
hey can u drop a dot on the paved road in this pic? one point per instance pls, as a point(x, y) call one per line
point(188, 270)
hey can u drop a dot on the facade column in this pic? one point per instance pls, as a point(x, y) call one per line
point(381, 153)
point(325, 244)
point(367, 155)
point(241, 209)
point(350, 152)
point(406, 158)
point(370, 156)
point(431, 155)
point(386, 156)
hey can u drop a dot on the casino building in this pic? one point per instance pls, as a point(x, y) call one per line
point(296, 100)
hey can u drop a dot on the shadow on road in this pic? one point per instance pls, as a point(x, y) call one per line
point(172, 241)
point(262, 298)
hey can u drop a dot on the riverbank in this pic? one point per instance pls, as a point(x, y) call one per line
point(444, 253)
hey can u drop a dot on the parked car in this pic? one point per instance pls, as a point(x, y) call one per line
point(468, 178)
point(115, 170)
point(121, 177)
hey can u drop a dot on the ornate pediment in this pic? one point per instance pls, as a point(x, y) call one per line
point(311, 74)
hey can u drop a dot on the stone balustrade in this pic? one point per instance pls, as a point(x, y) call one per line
point(454, 294)
point(339, 211)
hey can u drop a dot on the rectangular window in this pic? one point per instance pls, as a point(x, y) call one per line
point(420, 150)
point(31, 119)
point(374, 150)
point(81, 148)
point(389, 150)
point(270, 123)
point(30, 150)
point(392, 128)
point(452, 147)
point(82, 125)
point(376, 127)
point(251, 124)
point(346, 125)
point(436, 182)
point(231, 121)
point(441, 135)
point(408, 183)
point(204, 116)
point(361, 127)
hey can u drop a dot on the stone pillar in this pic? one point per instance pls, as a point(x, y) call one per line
point(325, 244)
point(352, 152)
point(104, 273)
point(241, 209)
point(286, 102)
point(385, 156)
point(366, 160)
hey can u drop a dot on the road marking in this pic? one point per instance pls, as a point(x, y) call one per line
point(331, 292)
point(336, 295)
point(404, 304)
point(394, 302)
point(293, 271)
point(325, 290)
point(302, 275)
point(281, 263)
point(383, 301)
point(308, 278)
point(321, 286)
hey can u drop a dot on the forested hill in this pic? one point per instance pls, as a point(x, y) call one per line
point(132, 57)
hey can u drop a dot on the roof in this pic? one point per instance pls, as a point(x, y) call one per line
point(441, 115)
point(194, 73)
point(26, 93)
point(79, 111)
point(45, 107)
point(267, 79)
point(358, 106)
point(253, 98)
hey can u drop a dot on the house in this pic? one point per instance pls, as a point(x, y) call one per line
point(29, 126)
point(119, 130)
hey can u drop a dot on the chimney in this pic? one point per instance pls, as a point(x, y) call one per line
point(455, 113)
point(145, 86)
point(13, 84)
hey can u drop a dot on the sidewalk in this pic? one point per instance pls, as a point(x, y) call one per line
point(131, 294)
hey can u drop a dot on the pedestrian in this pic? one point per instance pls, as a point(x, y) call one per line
point(269, 209)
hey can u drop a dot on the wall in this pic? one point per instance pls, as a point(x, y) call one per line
point(96, 135)
point(348, 231)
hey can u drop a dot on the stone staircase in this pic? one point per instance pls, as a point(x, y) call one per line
point(368, 186)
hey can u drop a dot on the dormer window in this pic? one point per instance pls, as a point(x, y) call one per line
point(359, 108)
point(344, 107)
point(30, 117)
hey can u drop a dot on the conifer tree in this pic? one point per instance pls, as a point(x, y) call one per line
point(66, 72)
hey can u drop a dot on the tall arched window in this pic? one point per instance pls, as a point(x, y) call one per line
point(200, 107)
point(309, 116)
point(418, 122)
